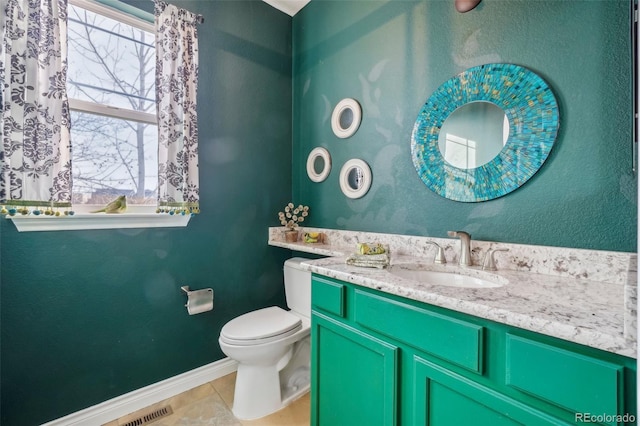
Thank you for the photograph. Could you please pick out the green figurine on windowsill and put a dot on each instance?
(119, 205)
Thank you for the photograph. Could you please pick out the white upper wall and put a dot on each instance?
(290, 7)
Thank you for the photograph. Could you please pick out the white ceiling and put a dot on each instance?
(290, 7)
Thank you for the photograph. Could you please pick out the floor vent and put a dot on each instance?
(151, 417)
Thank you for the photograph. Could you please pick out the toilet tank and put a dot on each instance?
(297, 286)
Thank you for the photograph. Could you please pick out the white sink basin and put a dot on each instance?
(449, 279)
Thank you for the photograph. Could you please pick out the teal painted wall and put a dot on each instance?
(90, 315)
(391, 55)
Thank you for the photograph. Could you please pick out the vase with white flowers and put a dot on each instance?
(290, 218)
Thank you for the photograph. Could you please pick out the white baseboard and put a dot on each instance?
(140, 398)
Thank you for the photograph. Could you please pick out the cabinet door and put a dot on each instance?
(575, 382)
(353, 376)
(444, 398)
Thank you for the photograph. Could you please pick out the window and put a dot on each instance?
(114, 134)
(110, 84)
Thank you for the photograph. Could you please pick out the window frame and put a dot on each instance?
(136, 216)
(106, 110)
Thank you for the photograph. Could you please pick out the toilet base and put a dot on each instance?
(295, 378)
(263, 385)
(263, 390)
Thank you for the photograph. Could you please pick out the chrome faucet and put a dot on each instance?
(439, 258)
(465, 246)
(489, 263)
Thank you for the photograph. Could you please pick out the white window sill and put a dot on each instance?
(83, 221)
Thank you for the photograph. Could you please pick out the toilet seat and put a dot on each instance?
(261, 326)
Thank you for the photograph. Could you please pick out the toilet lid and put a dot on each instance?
(261, 324)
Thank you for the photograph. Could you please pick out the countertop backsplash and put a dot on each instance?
(595, 265)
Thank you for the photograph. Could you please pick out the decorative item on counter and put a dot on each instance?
(379, 261)
(370, 255)
(290, 218)
(371, 248)
(119, 205)
(313, 237)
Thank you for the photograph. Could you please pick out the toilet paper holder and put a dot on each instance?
(198, 301)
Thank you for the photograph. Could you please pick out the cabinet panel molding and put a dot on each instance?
(328, 296)
(353, 376)
(568, 379)
(455, 341)
(445, 398)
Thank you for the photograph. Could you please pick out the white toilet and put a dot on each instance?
(272, 347)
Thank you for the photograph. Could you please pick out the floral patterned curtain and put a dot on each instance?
(176, 88)
(35, 155)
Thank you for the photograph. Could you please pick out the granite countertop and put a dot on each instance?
(589, 312)
(586, 312)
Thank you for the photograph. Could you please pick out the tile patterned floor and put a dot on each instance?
(210, 404)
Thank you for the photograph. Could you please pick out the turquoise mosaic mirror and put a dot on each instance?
(484, 132)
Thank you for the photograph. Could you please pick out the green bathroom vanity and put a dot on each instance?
(382, 359)
(551, 340)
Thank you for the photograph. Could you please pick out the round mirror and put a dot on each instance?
(530, 124)
(346, 118)
(355, 178)
(318, 164)
(473, 134)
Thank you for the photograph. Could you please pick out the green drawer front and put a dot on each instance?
(328, 296)
(458, 342)
(568, 379)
